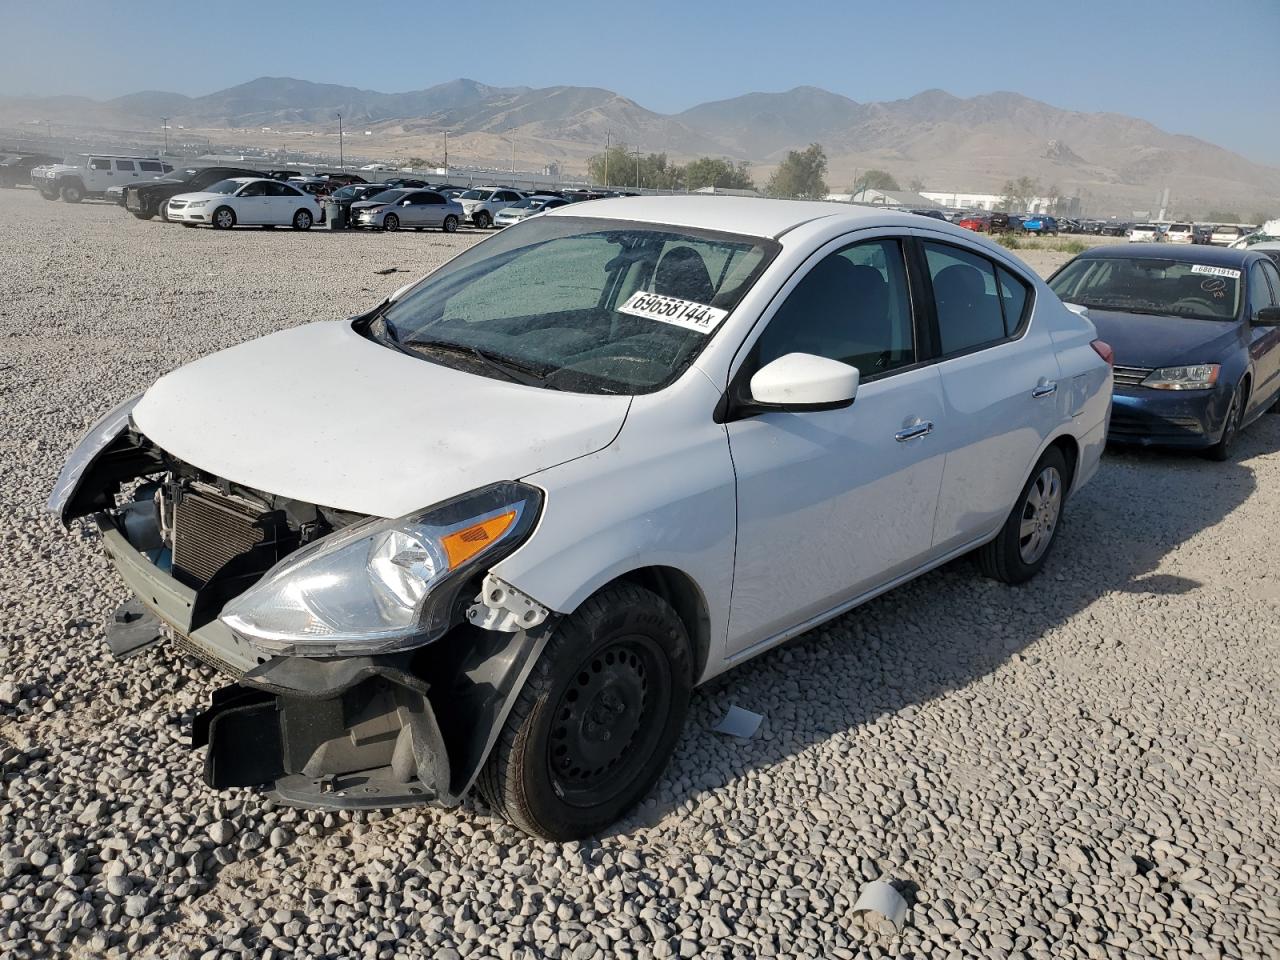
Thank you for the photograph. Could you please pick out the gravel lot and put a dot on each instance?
(1086, 766)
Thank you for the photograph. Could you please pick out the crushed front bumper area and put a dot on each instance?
(351, 732)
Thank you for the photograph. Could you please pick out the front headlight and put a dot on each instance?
(382, 585)
(1197, 376)
(198, 203)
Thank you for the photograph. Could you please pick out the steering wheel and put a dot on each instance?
(1195, 302)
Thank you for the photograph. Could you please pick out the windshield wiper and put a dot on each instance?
(513, 370)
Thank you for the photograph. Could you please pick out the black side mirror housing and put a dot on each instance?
(1267, 317)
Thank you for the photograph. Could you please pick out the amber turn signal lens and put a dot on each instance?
(461, 545)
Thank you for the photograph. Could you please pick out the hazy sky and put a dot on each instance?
(1203, 68)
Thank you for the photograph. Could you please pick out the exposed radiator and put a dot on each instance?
(208, 531)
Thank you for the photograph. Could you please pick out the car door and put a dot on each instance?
(432, 209)
(835, 503)
(126, 171)
(1000, 378)
(1264, 341)
(285, 200)
(98, 174)
(417, 213)
(250, 203)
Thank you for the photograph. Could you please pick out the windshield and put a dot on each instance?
(476, 195)
(346, 193)
(1233, 231)
(224, 186)
(1151, 286)
(529, 203)
(570, 302)
(388, 196)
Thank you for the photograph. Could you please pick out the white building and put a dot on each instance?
(986, 201)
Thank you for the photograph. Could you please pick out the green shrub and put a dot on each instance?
(1009, 241)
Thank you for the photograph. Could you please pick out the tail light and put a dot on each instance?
(1103, 349)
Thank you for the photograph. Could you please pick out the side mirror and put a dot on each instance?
(405, 203)
(1267, 317)
(802, 381)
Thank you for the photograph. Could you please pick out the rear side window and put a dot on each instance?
(964, 289)
(432, 198)
(124, 165)
(1014, 295)
(149, 166)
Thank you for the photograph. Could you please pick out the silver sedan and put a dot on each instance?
(405, 207)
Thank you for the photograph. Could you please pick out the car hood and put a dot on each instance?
(321, 414)
(1143, 340)
(201, 195)
(357, 205)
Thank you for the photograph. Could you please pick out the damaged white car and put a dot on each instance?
(495, 530)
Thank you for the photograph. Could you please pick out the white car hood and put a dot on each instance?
(319, 413)
(202, 195)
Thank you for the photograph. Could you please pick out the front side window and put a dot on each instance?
(1260, 294)
(853, 306)
(98, 163)
(564, 300)
(964, 291)
(125, 166)
(1152, 286)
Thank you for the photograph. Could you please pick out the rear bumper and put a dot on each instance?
(1168, 418)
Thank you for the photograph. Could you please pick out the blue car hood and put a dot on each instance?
(1143, 340)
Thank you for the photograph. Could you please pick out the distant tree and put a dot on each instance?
(874, 180)
(717, 172)
(419, 163)
(1016, 195)
(1224, 216)
(622, 167)
(802, 174)
(916, 184)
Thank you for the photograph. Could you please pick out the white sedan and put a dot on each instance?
(493, 531)
(246, 201)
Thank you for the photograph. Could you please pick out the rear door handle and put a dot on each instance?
(915, 430)
(1046, 388)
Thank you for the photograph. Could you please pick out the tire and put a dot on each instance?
(302, 220)
(72, 193)
(1024, 542)
(1221, 451)
(483, 220)
(617, 667)
(450, 224)
(162, 211)
(417, 229)
(391, 222)
(48, 196)
(141, 214)
(224, 218)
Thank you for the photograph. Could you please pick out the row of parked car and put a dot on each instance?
(228, 196)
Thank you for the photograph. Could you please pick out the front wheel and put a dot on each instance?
(72, 193)
(1022, 545)
(302, 220)
(593, 727)
(450, 224)
(224, 218)
(391, 222)
(483, 220)
(1221, 450)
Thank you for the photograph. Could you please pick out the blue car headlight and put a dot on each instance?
(1196, 376)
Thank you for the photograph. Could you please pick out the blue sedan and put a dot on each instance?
(1196, 336)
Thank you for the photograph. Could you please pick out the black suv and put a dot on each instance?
(147, 199)
(17, 169)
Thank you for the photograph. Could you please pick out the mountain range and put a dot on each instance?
(949, 143)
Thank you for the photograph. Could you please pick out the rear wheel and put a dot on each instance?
(224, 218)
(390, 222)
(302, 220)
(1022, 545)
(598, 718)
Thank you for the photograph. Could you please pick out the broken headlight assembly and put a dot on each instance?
(383, 585)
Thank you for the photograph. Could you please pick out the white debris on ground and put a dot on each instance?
(739, 723)
(1083, 767)
(883, 905)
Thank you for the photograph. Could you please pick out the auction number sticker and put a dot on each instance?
(681, 313)
(1216, 271)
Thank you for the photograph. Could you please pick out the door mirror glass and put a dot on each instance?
(802, 381)
(1267, 317)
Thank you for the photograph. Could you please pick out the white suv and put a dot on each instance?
(493, 531)
(93, 175)
(1180, 233)
(482, 203)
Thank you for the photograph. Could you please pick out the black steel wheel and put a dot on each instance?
(598, 718)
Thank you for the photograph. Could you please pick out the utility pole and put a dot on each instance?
(608, 145)
(342, 161)
(513, 154)
(637, 168)
(164, 124)
(446, 153)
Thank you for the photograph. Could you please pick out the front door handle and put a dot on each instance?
(1045, 388)
(918, 429)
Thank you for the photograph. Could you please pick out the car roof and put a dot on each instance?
(1209, 256)
(748, 216)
